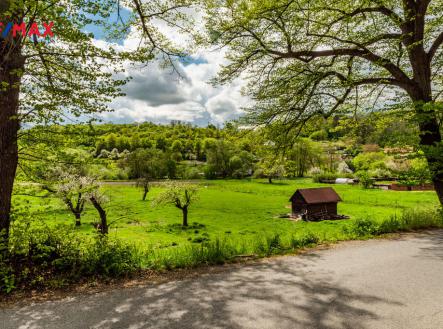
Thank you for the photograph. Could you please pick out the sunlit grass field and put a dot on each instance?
(238, 209)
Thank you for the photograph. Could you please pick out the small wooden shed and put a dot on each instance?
(315, 203)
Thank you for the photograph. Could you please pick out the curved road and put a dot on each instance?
(374, 284)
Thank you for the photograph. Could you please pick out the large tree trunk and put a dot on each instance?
(421, 94)
(11, 63)
(430, 139)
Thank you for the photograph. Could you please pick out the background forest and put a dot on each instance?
(379, 145)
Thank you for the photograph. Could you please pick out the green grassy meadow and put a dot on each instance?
(239, 209)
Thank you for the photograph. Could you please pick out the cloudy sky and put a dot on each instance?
(159, 95)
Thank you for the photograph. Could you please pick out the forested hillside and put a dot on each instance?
(376, 144)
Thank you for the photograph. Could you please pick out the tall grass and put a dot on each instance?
(225, 250)
(409, 221)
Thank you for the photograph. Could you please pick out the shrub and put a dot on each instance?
(110, 258)
(381, 173)
(38, 256)
(319, 135)
(418, 173)
(324, 176)
(371, 160)
(191, 173)
(343, 168)
(390, 225)
(305, 240)
(362, 227)
(364, 179)
(273, 244)
(408, 221)
(309, 238)
(214, 252)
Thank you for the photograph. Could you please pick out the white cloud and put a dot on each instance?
(156, 94)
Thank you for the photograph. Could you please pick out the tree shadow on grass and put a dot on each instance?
(276, 294)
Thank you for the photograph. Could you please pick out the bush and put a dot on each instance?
(371, 160)
(408, 221)
(418, 173)
(364, 179)
(381, 173)
(362, 227)
(38, 256)
(110, 258)
(191, 173)
(267, 245)
(319, 135)
(209, 253)
(326, 176)
(414, 219)
(307, 239)
(273, 244)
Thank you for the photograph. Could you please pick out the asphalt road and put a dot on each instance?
(373, 284)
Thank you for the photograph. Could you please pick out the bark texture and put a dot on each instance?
(185, 216)
(11, 66)
(104, 229)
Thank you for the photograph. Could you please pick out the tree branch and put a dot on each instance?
(437, 43)
(380, 9)
(309, 55)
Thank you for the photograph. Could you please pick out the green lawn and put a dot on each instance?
(240, 209)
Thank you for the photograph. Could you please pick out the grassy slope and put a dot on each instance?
(239, 209)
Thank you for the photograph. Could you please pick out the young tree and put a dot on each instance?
(181, 195)
(97, 199)
(74, 191)
(146, 165)
(308, 59)
(272, 167)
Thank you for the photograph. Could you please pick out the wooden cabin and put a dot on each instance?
(315, 203)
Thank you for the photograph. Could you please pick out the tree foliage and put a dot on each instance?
(307, 59)
(181, 195)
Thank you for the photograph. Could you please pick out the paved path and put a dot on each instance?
(373, 284)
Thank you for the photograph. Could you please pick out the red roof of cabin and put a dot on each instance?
(317, 195)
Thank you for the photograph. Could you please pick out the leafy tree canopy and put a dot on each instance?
(307, 59)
